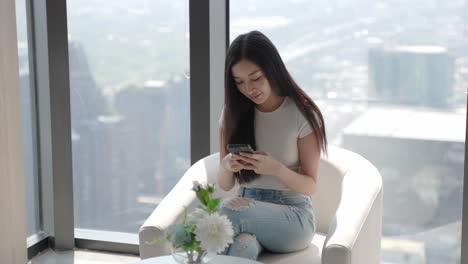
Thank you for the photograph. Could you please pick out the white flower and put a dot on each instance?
(195, 216)
(214, 232)
(196, 186)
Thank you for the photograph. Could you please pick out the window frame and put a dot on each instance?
(49, 71)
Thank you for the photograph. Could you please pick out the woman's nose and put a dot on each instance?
(249, 87)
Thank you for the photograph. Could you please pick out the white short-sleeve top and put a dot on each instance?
(277, 133)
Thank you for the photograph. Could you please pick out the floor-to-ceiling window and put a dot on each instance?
(130, 108)
(28, 123)
(390, 78)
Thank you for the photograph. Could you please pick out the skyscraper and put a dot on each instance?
(412, 75)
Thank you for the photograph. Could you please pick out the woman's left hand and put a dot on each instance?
(261, 162)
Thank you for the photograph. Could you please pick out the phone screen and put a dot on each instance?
(236, 148)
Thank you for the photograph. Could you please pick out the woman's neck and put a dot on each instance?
(271, 104)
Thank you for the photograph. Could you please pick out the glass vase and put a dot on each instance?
(191, 257)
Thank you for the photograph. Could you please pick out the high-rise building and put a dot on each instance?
(413, 75)
(105, 185)
(124, 163)
(420, 155)
(86, 99)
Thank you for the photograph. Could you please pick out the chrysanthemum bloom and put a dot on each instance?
(196, 216)
(214, 232)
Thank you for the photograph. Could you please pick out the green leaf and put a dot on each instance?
(203, 196)
(213, 204)
(193, 246)
(191, 229)
(206, 197)
(210, 188)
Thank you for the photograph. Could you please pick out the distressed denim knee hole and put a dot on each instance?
(245, 239)
(238, 203)
(246, 246)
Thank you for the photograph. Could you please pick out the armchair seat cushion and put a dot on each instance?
(310, 255)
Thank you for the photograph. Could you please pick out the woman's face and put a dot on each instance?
(251, 81)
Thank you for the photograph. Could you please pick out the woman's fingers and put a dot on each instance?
(243, 161)
(261, 152)
(246, 158)
(249, 167)
(238, 165)
(241, 165)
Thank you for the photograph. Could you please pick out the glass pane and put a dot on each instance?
(389, 77)
(129, 63)
(27, 121)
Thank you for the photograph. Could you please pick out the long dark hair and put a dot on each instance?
(238, 119)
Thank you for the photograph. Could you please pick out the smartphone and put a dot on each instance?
(236, 148)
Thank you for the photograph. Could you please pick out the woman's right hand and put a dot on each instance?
(232, 163)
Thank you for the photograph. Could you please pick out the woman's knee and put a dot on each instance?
(245, 245)
(237, 207)
(237, 210)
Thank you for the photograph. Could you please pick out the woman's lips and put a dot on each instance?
(255, 97)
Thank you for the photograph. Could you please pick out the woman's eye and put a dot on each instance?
(257, 78)
(239, 83)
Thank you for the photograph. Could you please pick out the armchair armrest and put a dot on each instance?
(169, 211)
(351, 236)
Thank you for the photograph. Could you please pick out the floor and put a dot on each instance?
(80, 256)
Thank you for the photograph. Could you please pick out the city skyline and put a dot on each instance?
(130, 101)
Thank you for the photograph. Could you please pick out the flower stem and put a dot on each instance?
(190, 257)
(201, 254)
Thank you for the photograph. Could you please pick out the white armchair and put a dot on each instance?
(348, 206)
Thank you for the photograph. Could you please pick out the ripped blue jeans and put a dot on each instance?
(277, 221)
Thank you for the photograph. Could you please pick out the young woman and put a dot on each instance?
(265, 108)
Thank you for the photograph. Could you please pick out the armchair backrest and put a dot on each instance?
(329, 186)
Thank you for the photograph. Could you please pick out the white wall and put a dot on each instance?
(12, 193)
